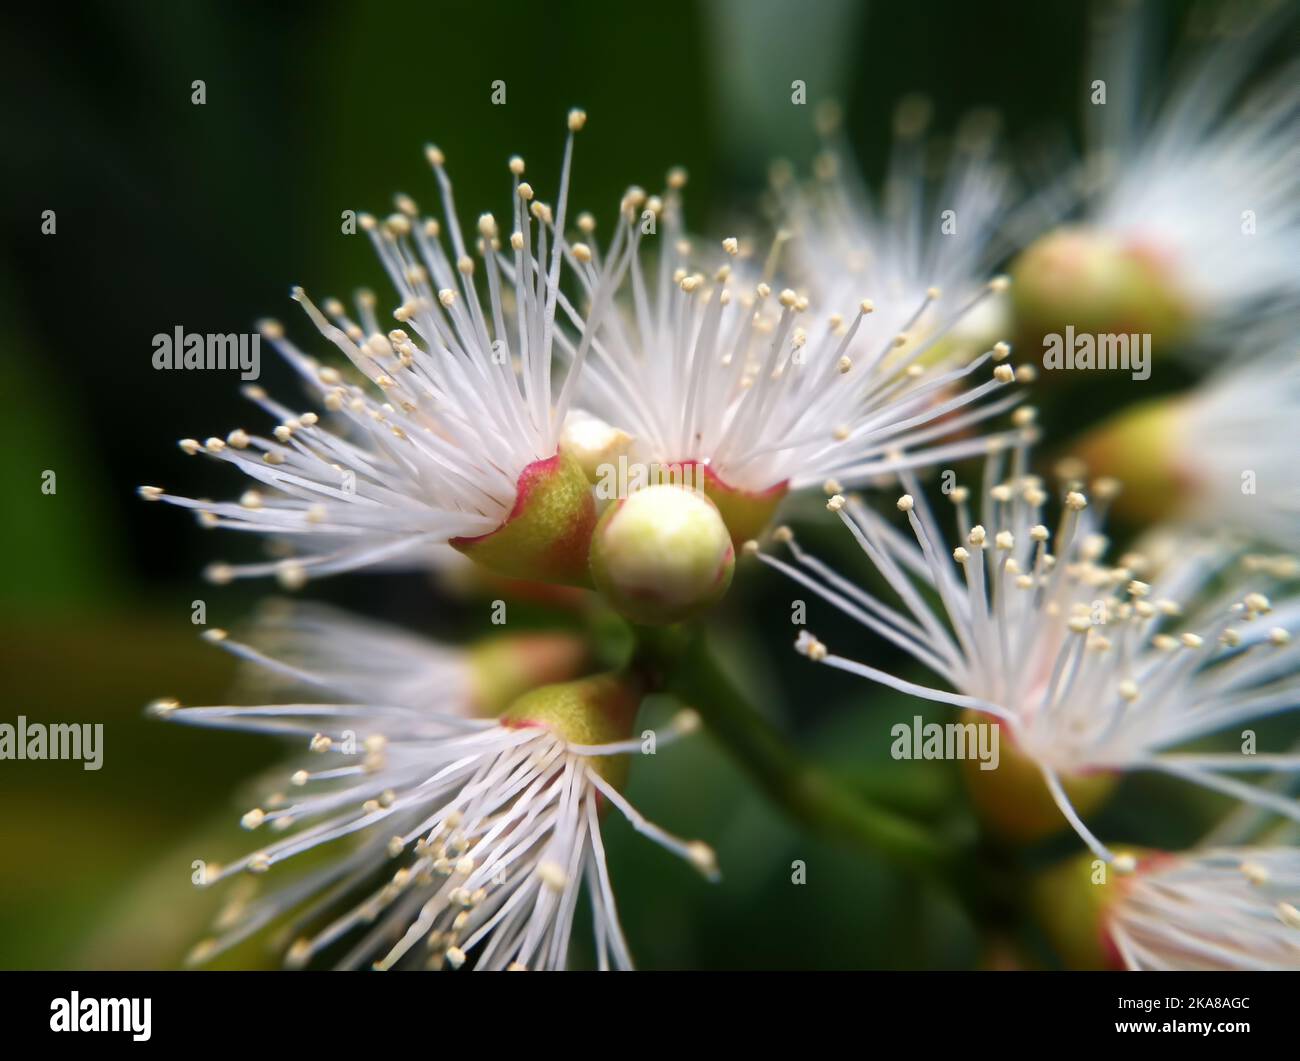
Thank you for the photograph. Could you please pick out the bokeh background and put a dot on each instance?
(203, 216)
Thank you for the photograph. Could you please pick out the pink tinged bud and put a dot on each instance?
(1013, 801)
(1096, 282)
(547, 534)
(662, 555)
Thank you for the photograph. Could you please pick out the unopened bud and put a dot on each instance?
(594, 444)
(1099, 284)
(662, 554)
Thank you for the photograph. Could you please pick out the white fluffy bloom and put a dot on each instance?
(1220, 909)
(1089, 668)
(699, 366)
(1201, 181)
(307, 646)
(438, 836)
(917, 236)
(1234, 439)
(454, 406)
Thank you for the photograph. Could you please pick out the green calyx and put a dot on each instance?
(1013, 801)
(1071, 899)
(596, 710)
(547, 534)
(746, 513)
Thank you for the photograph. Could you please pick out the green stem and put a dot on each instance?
(691, 672)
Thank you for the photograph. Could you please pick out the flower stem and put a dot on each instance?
(691, 672)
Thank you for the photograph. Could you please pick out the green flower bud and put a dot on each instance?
(548, 533)
(662, 554)
(1098, 284)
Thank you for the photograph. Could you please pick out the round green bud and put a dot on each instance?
(1097, 283)
(662, 554)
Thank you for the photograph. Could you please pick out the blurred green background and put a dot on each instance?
(203, 216)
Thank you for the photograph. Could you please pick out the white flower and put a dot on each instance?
(1089, 668)
(308, 646)
(1235, 446)
(700, 369)
(916, 236)
(1219, 456)
(1221, 909)
(1200, 185)
(458, 402)
(438, 836)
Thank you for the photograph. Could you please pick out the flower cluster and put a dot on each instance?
(1090, 669)
(628, 415)
(455, 831)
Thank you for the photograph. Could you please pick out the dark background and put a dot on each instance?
(204, 216)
